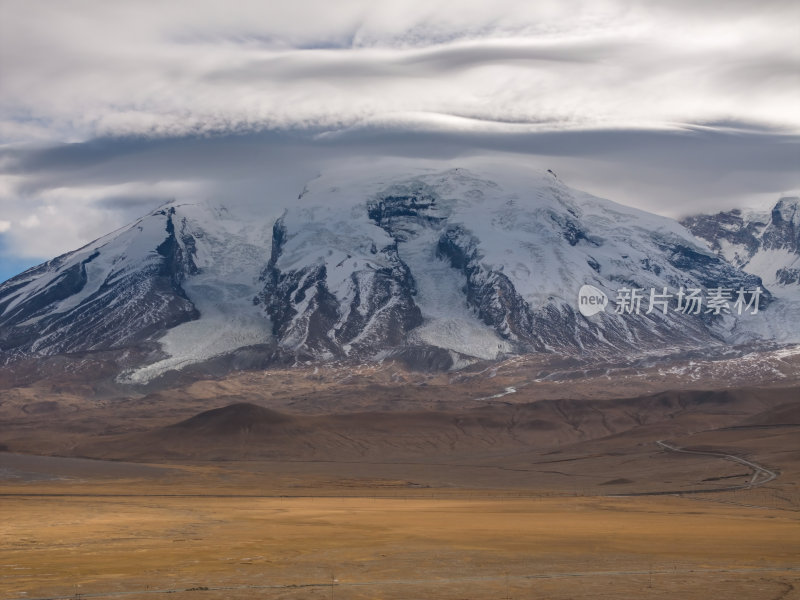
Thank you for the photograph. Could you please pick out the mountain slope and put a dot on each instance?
(492, 264)
(766, 244)
(437, 268)
(118, 291)
(229, 253)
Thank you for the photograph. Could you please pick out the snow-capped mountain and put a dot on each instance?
(477, 266)
(183, 275)
(122, 289)
(766, 244)
(440, 268)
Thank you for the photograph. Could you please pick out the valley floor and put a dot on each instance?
(307, 485)
(93, 529)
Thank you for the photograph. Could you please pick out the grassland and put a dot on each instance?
(181, 533)
(226, 490)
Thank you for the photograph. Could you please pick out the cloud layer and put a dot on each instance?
(107, 108)
(110, 68)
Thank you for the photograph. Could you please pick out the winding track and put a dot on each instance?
(761, 475)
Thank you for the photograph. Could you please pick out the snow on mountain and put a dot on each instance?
(122, 289)
(438, 267)
(766, 244)
(488, 263)
(229, 255)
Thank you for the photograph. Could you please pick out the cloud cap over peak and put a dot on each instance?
(109, 108)
(79, 69)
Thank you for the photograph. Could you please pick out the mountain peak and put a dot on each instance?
(766, 244)
(787, 211)
(446, 266)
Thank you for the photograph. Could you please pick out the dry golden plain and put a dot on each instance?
(367, 489)
(134, 541)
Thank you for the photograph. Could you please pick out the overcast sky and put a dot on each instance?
(108, 109)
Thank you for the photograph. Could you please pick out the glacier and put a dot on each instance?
(439, 266)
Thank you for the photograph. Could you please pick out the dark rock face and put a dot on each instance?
(570, 228)
(788, 276)
(711, 271)
(491, 294)
(783, 231)
(178, 256)
(751, 234)
(777, 230)
(129, 306)
(402, 211)
(727, 226)
(285, 291)
(307, 317)
(390, 292)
